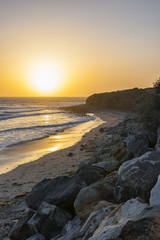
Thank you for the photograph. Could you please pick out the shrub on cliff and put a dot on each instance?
(156, 86)
(149, 112)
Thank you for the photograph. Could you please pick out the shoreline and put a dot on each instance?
(64, 161)
(28, 151)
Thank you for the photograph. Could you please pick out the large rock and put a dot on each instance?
(37, 236)
(152, 138)
(155, 194)
(90, 174)
(49, 220)
(21, 229)
(137, 177)
(120, 153)
(62, 191)
(112, 226)
(107, 166)
(88, 198)
(71, 230)
(157, 147)
(135, 143)
(144, 227)
(93, 222)
(158, 140)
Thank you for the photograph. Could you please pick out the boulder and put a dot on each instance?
(49, 220)
(143, 150)
(90, 174)
(158, 132)
(37, 236)
(137, 177)
(157, 147)
(112, 226)
(93, 222)
(107, 166)
(155, 194)
(99, 157)
(144, 227)
(152, 138)
(21, 229)
(120, 152)
(71, 230)
(89, 198)
(62, 191)
(135, 142)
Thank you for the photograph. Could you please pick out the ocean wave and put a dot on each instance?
(47, 126)
(6, 117)
(32, 134)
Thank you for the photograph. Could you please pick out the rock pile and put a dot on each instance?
(115, 195)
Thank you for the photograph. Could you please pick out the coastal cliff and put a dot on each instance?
(115, 193)
(126, 100)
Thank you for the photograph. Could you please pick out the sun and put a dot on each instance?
(45, 77)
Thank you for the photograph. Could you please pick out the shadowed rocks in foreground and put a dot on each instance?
(63, 190)
(85, 206)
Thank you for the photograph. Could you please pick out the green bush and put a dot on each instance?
(156, 86)
(149, 112)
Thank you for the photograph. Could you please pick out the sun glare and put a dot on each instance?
(45, 77)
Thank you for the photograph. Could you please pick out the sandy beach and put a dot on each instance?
(15, 184)
(65, 161)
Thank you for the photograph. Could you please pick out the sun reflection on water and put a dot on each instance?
(46, 118)
(56, 137)
(53, 149)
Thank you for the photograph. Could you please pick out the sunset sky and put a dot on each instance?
(84, 46)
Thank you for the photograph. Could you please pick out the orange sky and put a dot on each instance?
(98, 45)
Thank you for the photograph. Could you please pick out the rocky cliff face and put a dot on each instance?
(128, 100)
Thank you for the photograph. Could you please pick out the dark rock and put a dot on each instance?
(81, 166)
(143, 150)
(71, 230)
(120, 152)
(60, 191)
(145, 227)
(63, 190)
(137, 177)
(155, 194)
(133, 220)
(107, 166)
(157, 147)
(136, 142)
(112, 226)
(82, 147)
(152, 138)
(105, 150)
(158, 132)
(101, 130)
(88, 199)
(90, 174)
(21, 229)
(99, 157)
(49, 220)
(37, 236)
(70, 154)
(93, 222)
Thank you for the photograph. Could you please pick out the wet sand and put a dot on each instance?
(65, 161)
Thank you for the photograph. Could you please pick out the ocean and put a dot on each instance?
(26, 122)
